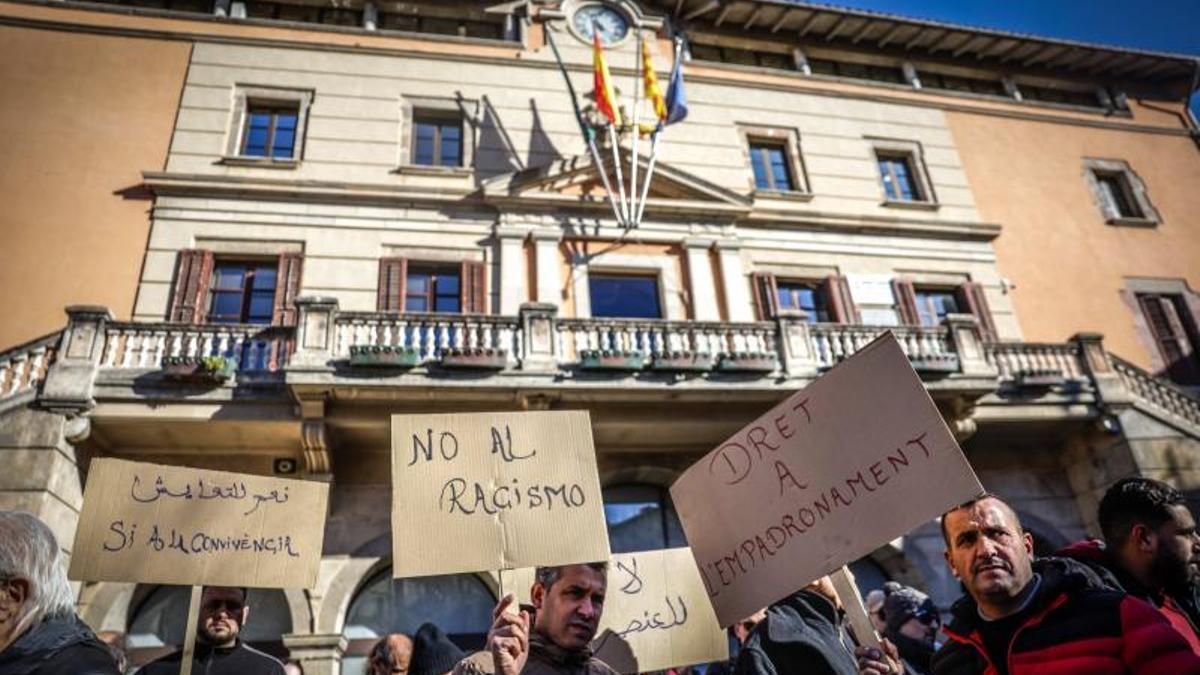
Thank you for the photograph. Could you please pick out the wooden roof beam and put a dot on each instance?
(808, 23)
(1004, 54)
(837, 29)
(702, 10)
(783, 18)
(753, 17)
(939, 32)
(1042, 54)
(946, 42)
(890, 35)
(867, 26)
(724, 13)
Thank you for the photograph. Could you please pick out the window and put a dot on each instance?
(824, 300)
(899, 183)
(242, 292)
(641, 517)
(437, 140)
(267, 127)
(421, 286)
(808, 297)
(743, 57)
(1087, 99)
(928, 305)
(235, 289)
(270, 131)
(624, 296)
(770, 164)
(933, 304)
(968, 84)
(1174, 331)
(491, 30)
(1119, 193)
(857, 71)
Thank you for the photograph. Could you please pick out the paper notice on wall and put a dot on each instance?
(177, 525)
(656, 612)
(479, 492)
(854, 460)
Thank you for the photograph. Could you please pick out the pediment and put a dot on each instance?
(577, 179)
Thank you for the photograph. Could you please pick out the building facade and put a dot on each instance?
(382, 208)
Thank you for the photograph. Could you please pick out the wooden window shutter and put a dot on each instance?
(287, 287)
(766, 295)
(1166, 326)
(972, 293)
(906, 302)
(473, 287)
(841, 302)
(193, 273)
(393, 276)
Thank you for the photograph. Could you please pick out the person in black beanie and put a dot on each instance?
(433, 653)
(912, 625)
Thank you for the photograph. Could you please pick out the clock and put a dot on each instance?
(607, 21)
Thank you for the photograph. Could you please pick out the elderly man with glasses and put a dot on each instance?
(39, 632)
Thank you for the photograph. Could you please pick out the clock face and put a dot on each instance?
(608, 22)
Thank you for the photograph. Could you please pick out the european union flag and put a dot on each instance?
(677, 108)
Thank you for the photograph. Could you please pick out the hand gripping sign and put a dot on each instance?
(480, 492)
(854, 460)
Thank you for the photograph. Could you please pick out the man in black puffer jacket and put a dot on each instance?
(39, 632)
(802, 634)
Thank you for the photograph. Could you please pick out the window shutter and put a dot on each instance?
(841, 303)
(393, 273)
(906, 302)
(766, 295)
(976, 301)
(193, 273)
(473, 288)
(287, 287)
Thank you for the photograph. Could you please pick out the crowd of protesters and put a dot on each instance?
(1124, 604)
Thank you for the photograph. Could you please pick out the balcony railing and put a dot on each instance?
(1020, 361)
(1157, 392)
(428, 335)
(23, 367)
(146, 345)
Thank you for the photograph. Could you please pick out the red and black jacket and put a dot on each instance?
(1078, 625)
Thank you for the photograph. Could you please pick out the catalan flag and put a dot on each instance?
(606, 98)
(650, 83)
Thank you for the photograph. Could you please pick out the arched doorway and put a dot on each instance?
(460, 604)
(158, 618)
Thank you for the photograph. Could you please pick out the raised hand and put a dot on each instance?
(508, 639)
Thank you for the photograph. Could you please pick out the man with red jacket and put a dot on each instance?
(1047, 617)
(1150, 545)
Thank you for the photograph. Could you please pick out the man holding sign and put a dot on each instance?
(219, 650)
(551, 637)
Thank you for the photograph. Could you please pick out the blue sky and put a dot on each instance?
(1160, 25)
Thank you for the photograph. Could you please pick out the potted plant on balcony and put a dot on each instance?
(213, 369)
(684, 361)
(611, 359)
(747, 362)
(384, 356)
(488, 358)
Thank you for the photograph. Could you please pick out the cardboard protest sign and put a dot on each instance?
(177, 525)
(491, 491)
(656, 612)
(856, 459)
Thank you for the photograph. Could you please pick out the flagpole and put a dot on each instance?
(613, 139)
(588, 133)
(654, 148)
(637, 132)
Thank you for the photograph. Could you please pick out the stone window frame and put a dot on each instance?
(915, 154)
(468, 110)
(1135, 192)
(665, 268)
(790, 137)
(1135, 286)
(243, 95)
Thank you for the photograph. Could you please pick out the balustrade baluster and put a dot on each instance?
(111, 337)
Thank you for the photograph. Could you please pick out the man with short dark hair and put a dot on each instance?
(803, 634)
(1150, 545)
(219, 648)
(551, 636)
(1031, 617)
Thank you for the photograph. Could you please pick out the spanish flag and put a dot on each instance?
(606, 98)
(650, 83)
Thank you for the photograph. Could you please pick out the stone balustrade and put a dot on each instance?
(145, 345)
(430, 335)
(654, 338)
(834, 342)
(1023, 360)
(24, 366)
(1157, 392)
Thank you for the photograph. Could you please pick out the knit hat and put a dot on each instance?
(433, 653)
(903, 604)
